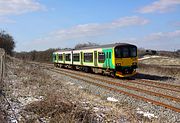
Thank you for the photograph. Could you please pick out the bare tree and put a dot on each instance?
(40, 56)
(7, 42)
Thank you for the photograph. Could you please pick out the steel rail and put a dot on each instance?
(145, 82)
(124, 92)
(158, 83)
(166, 88)
(129, 87)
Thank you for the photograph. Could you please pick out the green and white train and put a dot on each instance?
(118, 59)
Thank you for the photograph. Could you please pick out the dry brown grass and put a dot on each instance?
(156, 69)
(59, 109)
(60, 102)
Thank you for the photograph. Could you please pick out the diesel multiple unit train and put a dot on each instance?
(118, 59)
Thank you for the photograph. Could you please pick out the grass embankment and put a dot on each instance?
(37, 95)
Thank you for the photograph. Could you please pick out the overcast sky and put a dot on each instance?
(43, 24)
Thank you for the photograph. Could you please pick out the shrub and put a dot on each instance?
(7, 42)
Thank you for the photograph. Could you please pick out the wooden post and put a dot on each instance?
(1, 69)
(2, 65)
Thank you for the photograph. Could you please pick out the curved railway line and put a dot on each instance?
(150, 83)
(159, 85)
(175, 88)
(127, 86)
(156, 84)
(80, 76)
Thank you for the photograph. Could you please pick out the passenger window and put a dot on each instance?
(54, 56)
(60, 57)
(88, 57)
(76, 57)
(68, 57)
(101, 57)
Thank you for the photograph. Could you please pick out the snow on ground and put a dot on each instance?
(111, 99)
(160, 60)
(29, 99)
(146, 114)
(148, 57)
(70, 83)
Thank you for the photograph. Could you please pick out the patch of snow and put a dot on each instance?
(27, 100)
(112, 99)
(155, 56)
(41, 97)
(148, 57)
(14, 121)
(80, 87)
(146, 114)
(70, 83)
(143, 58)
(96, 109)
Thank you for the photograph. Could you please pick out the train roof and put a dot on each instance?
(105, 46)
(99, 46)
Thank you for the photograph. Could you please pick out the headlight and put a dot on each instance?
(134, 63)
(118, 64)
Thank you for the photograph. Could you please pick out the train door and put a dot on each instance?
(107, 59)
(95, 58)
(81, 58)
(72, 57)
(57, 55)
(54, 58)
(64, 58)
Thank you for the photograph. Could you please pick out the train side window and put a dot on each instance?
(88, 57)
(60, 57)
(54, 56)
(76, 57)
(109, 55)
(68, 57)
(101, 57)
(133, 51)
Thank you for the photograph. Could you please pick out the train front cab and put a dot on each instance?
(125, 60)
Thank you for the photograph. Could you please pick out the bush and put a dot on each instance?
(7, 42)
(39, 56)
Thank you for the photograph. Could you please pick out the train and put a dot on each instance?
(117, 60)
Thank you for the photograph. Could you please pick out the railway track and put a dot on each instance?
(160, 85)
(127, 86)
(145, 82)
(84, 78)
(150, 83)
(164, 86)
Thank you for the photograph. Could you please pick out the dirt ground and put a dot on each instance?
(37, 96)
(161, 66)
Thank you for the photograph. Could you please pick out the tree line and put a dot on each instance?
(8, 44)
(46, 56)
(39, 56)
